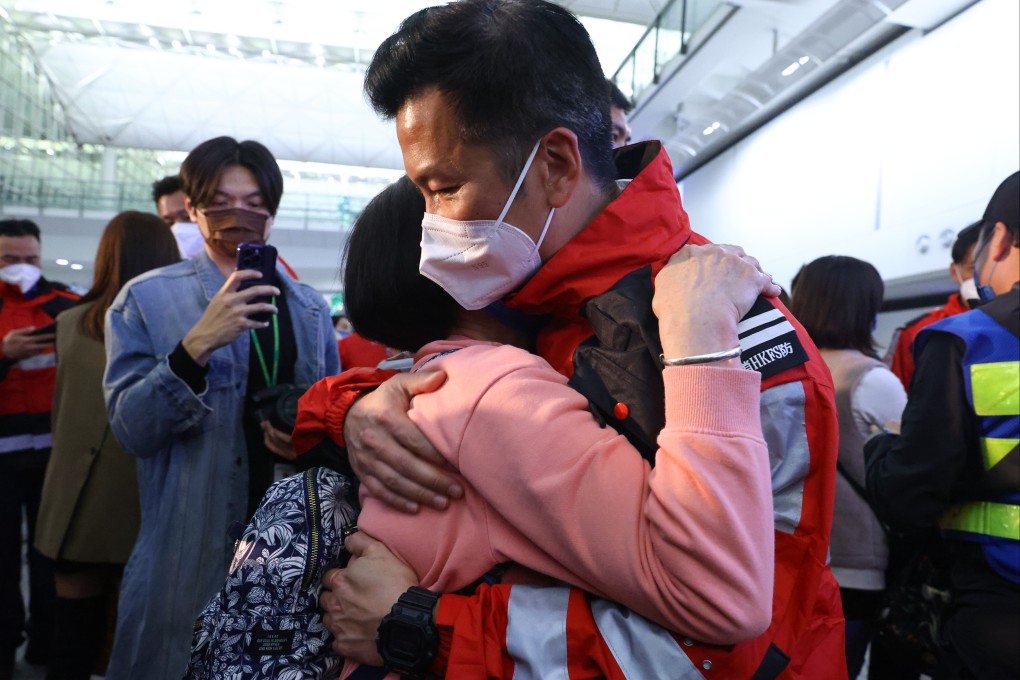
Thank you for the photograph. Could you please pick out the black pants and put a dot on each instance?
(983, 624)
(21, 480)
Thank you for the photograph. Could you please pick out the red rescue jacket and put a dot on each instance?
(903, 343)
(26, 386)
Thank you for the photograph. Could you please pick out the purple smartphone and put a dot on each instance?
(263, 258)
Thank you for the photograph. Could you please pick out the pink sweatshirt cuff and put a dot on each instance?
(713, 399)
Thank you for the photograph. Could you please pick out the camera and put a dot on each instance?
(278, 404)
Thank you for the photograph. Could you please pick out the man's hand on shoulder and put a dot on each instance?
(388, 452)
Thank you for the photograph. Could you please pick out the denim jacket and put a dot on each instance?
(192, 458)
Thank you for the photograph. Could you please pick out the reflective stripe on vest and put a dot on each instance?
(988, 519)
(641, 648)
(993, 450)
(996, 388)
(25, 442)
(995, 391)
(536, 632)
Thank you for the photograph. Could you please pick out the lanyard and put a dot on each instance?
(270, 380)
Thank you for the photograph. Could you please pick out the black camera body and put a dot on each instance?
(278, 405)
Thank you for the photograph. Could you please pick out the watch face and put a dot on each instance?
(405, 642)
(408, 638)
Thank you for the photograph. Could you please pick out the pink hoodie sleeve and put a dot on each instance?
(688, 544)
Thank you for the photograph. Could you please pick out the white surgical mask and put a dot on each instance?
(969, 290)
(23, 275)
(479, 261)
(189, 239)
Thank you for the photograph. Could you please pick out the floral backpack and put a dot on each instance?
(266, 622)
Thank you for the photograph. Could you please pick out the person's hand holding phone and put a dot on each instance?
(229, 314)
(24, 343)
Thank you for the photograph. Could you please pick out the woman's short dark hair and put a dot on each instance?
(837, 298)
(512, 70)
(201, 170)
(132, 244)
(386, 298)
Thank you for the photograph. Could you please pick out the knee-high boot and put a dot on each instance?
(78, 629)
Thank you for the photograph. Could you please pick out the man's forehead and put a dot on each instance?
(20, 244)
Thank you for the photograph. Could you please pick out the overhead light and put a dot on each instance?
(316, 49)
(154, 42)
(176, 44)
(716, 125)
(145, 30)
(210, 48)
(50, 152)
(62, 262)
(266, 53)
(77, 267)
(707, 131)
(792, 68)
(233, 41)
(320, 60)
(4, 14)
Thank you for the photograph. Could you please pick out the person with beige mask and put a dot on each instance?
(189, 350)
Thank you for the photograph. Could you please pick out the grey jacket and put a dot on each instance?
(192, 458)
(857, 545)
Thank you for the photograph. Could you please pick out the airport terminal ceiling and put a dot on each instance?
(140, 74)
(152, 80)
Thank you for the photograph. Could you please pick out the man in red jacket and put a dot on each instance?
(962, 271)
(28, 305)
(488, 94)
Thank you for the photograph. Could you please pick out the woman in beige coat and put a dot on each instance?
(89, 515)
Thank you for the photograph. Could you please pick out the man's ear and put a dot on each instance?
(955, 274)
(1002, 243)
(561, 166)
(192, 210)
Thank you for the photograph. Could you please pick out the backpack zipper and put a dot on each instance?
(312, 503)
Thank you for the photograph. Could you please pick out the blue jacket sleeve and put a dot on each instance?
(146, 403)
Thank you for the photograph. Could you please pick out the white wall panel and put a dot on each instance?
(909, 145)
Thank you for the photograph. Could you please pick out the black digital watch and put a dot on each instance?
(408, 637)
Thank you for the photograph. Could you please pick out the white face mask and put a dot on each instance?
(23, 275)
(189, 239)
(479, 261)
(969, 290)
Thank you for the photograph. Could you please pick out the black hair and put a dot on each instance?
(17, 228)
(618, 98)
(385, 296)
(837, 298)
(965, 240)
(511, 70)
(201, 170)
(170, 184)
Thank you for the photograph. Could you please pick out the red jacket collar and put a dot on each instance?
(954, 305)
(644, 225)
